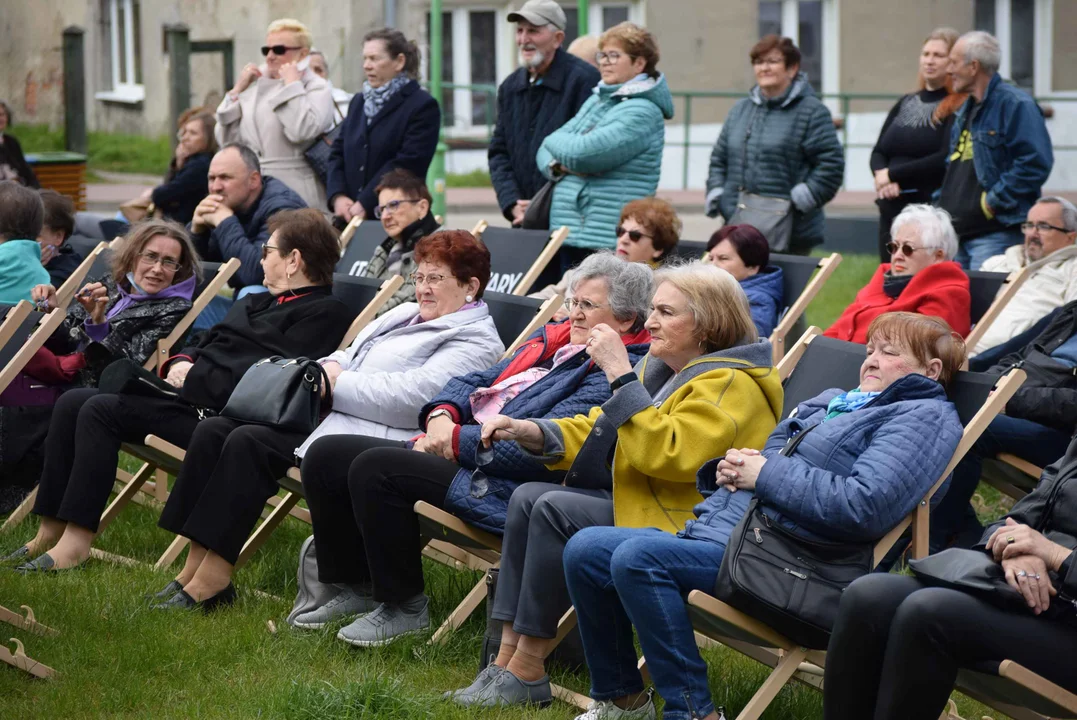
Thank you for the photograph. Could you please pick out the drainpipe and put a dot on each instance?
(582, 8)
(389, 13)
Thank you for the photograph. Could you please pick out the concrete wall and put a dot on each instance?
(1064, 71)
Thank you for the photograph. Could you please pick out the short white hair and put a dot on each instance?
(983, 47)
(1069, 211)
(936, 228)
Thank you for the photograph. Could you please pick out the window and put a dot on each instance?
(770, 18)
(614, 15)
(483, 41)
(572, 25)
(474, 42)
(121, 22)
(804, 22)
(1023, 29)
(448, 96)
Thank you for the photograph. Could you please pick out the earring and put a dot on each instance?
(468, 298)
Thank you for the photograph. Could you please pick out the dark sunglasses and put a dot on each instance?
(266, 248)
(633, 235)
(906, 249)
(277, 49)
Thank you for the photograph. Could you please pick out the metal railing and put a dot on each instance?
(686, 100)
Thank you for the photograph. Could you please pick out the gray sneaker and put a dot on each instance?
(345, 604)
(384, 625)
(507, 689)
(485, 675)
(606, 710)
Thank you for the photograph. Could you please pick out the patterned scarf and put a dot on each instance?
(848, 402)
(374, 98)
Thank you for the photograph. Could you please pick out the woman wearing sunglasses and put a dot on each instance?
(921, 277)
(279, 108)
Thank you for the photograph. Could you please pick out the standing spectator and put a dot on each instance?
(278, 108)
(611, 152)
(909, 159)
(1000, 154)
(395, 124)
(778, 142)
(341, 98)
(13, 165)
(21, 214)
(1050, 253)
(532, 102)
(58, 223)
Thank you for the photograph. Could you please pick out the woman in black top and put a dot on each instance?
(909, 159)
(13, 164)
(187, 181)
(297, 317)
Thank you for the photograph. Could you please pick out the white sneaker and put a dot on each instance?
(606, 710)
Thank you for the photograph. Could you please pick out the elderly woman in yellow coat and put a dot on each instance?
(707, 385)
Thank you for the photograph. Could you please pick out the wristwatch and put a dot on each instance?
(438, 413)
(621, 381)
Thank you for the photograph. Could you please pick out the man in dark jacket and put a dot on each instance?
(532, 102)
(1038, 422)
(233, 221)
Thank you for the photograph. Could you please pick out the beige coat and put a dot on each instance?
(279, 122)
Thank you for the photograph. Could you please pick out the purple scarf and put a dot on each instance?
(184, 290)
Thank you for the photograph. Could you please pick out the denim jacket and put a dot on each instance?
(1011, 149)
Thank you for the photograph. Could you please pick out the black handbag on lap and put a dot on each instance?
(126, 377)
(280, 392)
(792, 584)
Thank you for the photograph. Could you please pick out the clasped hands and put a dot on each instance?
(1026, 556)
(211, 212)
(739, 469)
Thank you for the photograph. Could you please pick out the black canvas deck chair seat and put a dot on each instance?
(518, 257)
(358, 242)
(990, 292)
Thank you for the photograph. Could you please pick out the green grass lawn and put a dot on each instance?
(118, 659)
(113, 152)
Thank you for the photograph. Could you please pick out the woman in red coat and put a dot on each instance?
(921, 277)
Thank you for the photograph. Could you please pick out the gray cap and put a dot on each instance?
(540, 12)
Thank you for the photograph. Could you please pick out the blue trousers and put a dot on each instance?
(972, 253)
(219, 306)
(620, 577)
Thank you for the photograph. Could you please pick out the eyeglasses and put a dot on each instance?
(149, 259)
(277, 49)
(633, 235)
(431, 281)
(585, 306)
(906, 249)
(1042, 227)
(390, 207)
(773, 62)
(266, 248)
(610, 57)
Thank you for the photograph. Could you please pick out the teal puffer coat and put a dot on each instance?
(791, 141)
(613, 148)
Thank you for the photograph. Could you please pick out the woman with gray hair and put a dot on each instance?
(550, 376)
(921, 277)
(706, 386)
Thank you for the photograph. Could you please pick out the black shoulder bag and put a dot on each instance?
(283, 393)
(317, 153)
(792, 584)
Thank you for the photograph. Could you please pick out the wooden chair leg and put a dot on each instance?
(460, 614)
(174, 550)
(20, 512)
(766, 693)
(572, 698)
(125, 496)
(161, 486)
(255, 541)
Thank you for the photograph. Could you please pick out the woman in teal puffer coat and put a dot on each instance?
(611, 152)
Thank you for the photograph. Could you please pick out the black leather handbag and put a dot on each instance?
(792, 584)
(537, 215)
(317, 153)
(280, 392)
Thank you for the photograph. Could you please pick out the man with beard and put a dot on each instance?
(538, 98)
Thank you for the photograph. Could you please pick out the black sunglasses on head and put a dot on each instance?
(633, 235)
(277, 49)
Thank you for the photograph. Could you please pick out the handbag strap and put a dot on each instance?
(323, 378)
(792, 443)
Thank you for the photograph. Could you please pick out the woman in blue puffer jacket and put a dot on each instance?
(866, 459)
(744, 253)
(611, 152)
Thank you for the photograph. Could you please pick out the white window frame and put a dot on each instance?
(124, 89)
(831, 60)
(1043, 42)
(461, 61)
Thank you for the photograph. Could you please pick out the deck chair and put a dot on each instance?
(358, 242)
(1010, 475)
(518, 257)
(66, 292)
(976, 405)
(800, 284)
(362, 294)
(1017, 691)
(22, 334)
(990, 293)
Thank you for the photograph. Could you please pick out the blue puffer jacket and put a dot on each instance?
(614, 145)
(852, 478)
(481, 497)
(765, 293)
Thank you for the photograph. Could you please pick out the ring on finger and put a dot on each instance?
(1022, 573)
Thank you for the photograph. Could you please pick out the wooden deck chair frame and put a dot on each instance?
(348, 233)
(556, 240)
(281, 507)
(66, 292)
(827, 266)
(1003, 484)
(1009, 288)
(47, 325)
(14, 318)
(17, 658)
(1034, 687)
(722, 623)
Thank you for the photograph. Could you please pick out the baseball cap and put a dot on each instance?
(540, 12)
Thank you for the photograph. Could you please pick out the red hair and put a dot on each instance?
(458, 250)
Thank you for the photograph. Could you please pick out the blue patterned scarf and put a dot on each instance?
(848, 402)
(374, 98)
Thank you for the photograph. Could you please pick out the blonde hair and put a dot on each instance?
(716, 301)
(302, 32)
(636, 41)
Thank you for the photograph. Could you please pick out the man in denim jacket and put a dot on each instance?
(1000, 154)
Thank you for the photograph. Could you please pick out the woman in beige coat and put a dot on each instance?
(279, 108)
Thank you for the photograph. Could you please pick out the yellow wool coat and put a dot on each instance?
(728, 399)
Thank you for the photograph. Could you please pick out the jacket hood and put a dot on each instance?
(769, 280)
(654, 373)
(799, 88)
(654, 89)
(18, 251)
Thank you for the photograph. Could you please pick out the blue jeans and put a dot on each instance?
(989, 357)
(972, 253)
(953, 520)
(620, 577)
(219, 306)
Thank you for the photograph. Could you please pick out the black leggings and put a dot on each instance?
(361, 492)
(898, 644)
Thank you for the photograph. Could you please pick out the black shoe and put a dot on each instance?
(42, 563)
(169, 590)
(182, 601)
(20, 556)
